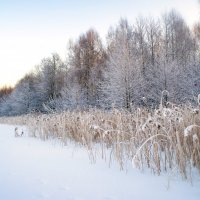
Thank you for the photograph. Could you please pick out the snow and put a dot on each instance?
(31, 169)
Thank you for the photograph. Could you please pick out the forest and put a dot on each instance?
(135, 65)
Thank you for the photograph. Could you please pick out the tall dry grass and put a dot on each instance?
(164, 140)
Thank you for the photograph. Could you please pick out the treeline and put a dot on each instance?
(135, 65)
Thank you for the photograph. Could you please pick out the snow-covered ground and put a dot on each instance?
(34, 169)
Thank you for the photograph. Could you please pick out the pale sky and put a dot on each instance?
(32, 30)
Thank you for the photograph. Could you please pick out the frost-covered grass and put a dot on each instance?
(32, 169)
(163, 140)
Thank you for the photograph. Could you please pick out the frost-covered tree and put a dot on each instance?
(4, 99)
(122, 73)
(178, 42)
(139, 62)
(86, 60)
(50, 78)
(177, 58)
(22, 100)
(140, 43)
(72, 94)
(154, 37)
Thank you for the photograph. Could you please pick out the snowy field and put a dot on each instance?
(34, 169)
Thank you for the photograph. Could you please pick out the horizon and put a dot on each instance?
(32, 31)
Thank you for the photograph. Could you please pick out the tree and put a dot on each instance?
(50, 78)
(86, 60)
(5, 93)
(121, 74)
(178, 42)
(175, 58)
(140, 43)
(153, 34)
(22, 99)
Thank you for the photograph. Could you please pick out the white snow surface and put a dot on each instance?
(31, 169)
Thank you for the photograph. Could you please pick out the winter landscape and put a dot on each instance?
(114, 116)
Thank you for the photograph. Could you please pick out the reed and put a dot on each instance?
(163, 140)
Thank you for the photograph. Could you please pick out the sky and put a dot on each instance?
(31, 30)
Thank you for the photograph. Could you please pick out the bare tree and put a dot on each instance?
(140, 42)
(87, 58)
(121, 72)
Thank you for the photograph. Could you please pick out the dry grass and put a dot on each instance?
(163, 140)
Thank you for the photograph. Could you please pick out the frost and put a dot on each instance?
(188, 130)
(94, 127)
(195, 137)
